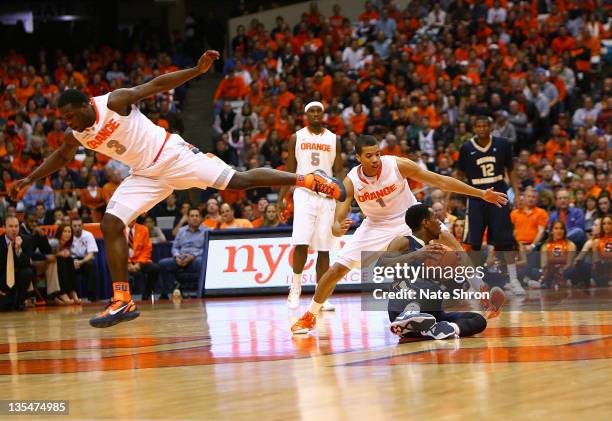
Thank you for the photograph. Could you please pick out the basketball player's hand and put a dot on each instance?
(16, 187)
(282, 205)
(340, 229)
(497, 198)
(207, 60)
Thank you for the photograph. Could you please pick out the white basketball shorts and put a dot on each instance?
(313, 217)
(371, 236)
(180, 166)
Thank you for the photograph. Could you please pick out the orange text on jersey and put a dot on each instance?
(378, 194)
(104, 133)
(306, 146)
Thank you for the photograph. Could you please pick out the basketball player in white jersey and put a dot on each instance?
(313, 148)
(380, 188)
(160, 162)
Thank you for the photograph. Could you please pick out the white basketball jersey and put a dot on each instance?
(133, 139)
(315, 151)
(384, 197)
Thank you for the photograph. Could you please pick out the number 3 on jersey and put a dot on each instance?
(118, 147)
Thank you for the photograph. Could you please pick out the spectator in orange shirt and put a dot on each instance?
(56, 136)
(109, 188)
(140, 249)
(91, 198)
(323, 84)
(212, 218)
(334, 122)
(359, 119)
(558, 143)
(231, 88)
(229, 221)
(529, 221)
(563, 42)
(284, 96)
(391, 147)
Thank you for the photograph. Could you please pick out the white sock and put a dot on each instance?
(315, 307)
(512, 272)
(297, 279)
(456, 327)
(476, 282)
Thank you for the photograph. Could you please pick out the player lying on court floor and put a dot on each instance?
(380, 188)
(160, 162)
(424, 316)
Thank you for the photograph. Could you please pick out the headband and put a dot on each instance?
(313, 104)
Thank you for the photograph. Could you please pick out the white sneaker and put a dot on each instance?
(516, 287)
(534, 284)
(327, 306)
(293, 300)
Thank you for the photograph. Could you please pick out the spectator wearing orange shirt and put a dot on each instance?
(563, 42)
(391, 147)
(558, 143)
(334, 122)
(91, 198)
(109, 188)
(529, 221)
(232, 88)
(140, 248)
(229, 221)
(212, 217)
(358, 119)
(56, 136)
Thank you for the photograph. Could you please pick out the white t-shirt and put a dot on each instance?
(86, 243)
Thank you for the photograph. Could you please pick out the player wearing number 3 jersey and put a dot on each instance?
(379, 187)
(160, 163)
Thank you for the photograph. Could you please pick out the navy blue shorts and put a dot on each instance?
(481, 215)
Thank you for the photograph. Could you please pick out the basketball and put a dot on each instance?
(448, 258)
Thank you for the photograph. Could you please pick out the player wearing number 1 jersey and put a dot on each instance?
(160, 163)
(380, 188)
(313, 148)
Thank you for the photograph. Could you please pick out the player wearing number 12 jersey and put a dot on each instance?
(380, 188)
(160, 163)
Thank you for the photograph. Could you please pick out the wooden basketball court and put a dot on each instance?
(228, 359)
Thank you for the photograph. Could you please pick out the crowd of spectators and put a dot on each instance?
(415, 78)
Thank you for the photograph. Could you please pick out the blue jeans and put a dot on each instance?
(169, 268)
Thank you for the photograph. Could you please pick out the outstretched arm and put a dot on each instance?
(291, 167)
(58, 159)
(410, 169)
(120, 100)
(341, 222)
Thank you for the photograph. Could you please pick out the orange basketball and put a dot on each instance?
(448, 258)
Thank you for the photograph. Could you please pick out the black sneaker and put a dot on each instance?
(411, 321)
(440, 330)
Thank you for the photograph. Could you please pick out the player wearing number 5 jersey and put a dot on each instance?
(313, 148)
(379, 187)
(160, 163)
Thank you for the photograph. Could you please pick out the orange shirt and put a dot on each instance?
(396, 150)
(604, 247)
(556, 251)
(232, 196)
(143, 247)
(358, 122)
(335, 125)
(553, 147)
(526, 223)
(237, 223)
(55, 139)
(210, 223)
(108, 189)
(231, 88)
(284, 99)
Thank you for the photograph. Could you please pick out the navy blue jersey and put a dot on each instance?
(486, 167)
(413, 243)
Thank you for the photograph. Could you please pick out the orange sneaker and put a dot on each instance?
(320, 182)
(497, 299)
(305, 324)
(116, 312)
